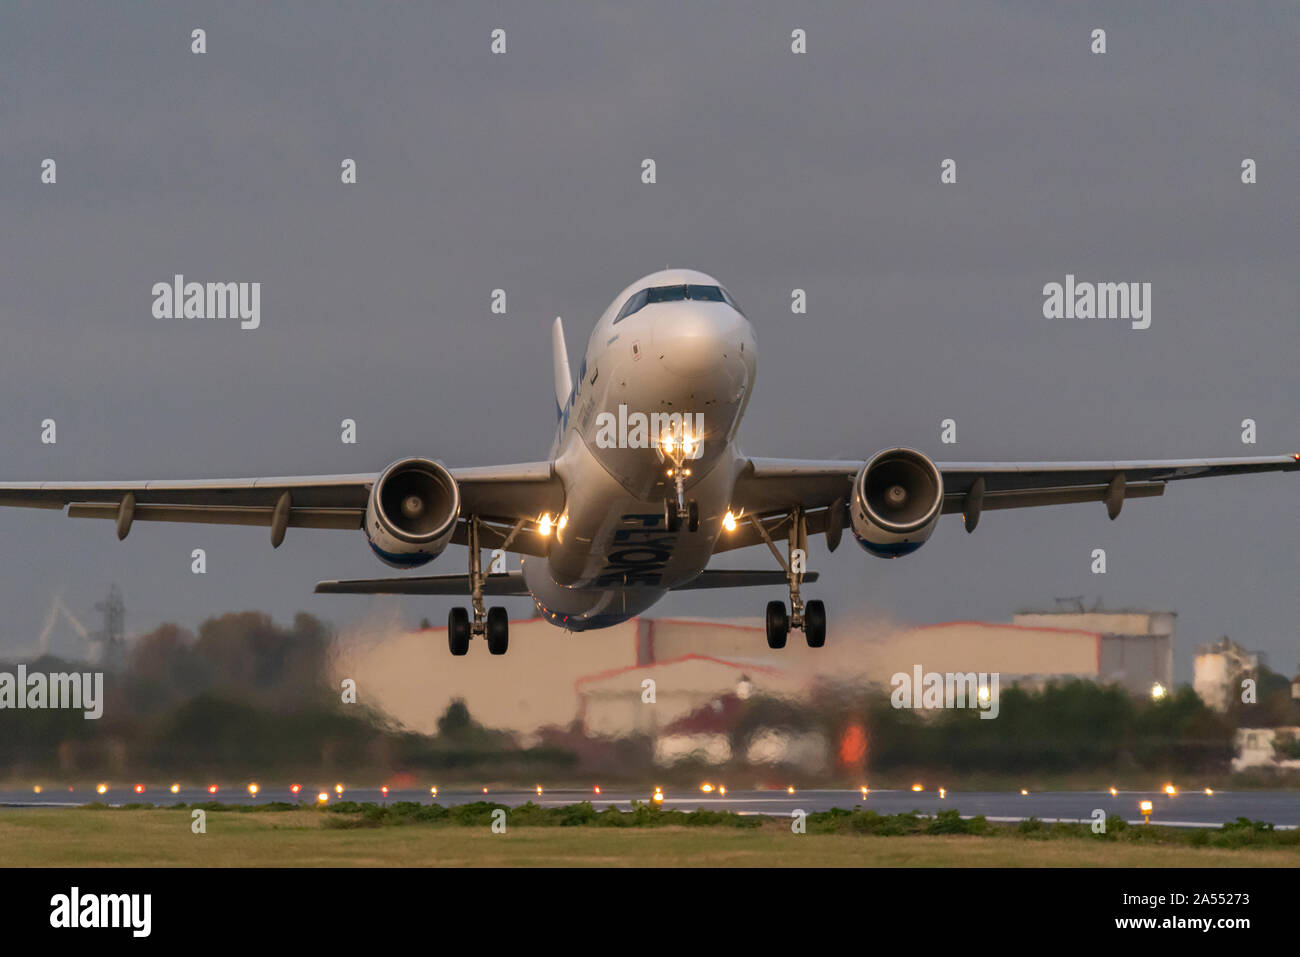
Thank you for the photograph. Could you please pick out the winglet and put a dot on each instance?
(563, 378)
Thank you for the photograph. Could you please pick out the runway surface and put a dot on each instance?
(1186, 809)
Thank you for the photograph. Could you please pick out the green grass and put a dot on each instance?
(366, 836)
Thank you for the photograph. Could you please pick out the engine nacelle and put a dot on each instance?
(412, 512)
(897, 498)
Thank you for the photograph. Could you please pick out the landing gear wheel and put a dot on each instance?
(458, 631)
(778, 624)
(814, 623)
(693, 516)
(672, 518)
(498, 630)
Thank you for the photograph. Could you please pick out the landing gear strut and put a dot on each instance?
(492, 623)
(677, 449)
(810, 618)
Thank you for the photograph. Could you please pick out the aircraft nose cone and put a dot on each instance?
(694, 342)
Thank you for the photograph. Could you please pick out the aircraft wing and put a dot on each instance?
(771, 489)
(512, 583)
(503, 495)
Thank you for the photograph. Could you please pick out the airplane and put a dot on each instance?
(645, 482)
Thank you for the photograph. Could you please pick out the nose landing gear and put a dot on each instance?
(673, 515)
(676, 448)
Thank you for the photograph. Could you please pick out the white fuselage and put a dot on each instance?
(613, 555)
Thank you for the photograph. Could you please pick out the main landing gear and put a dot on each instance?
(810, 617)
(493, 624)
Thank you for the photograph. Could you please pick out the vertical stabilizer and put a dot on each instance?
(563, 378)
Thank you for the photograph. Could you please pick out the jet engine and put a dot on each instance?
(897, 498)
(412, 512)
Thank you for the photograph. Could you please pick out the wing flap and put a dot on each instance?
(1003, 476)
(338, 518)
(308, 491)
(1030, 498)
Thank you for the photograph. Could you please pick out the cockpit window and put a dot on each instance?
(674, 294)
(631, 306)
(707, 293)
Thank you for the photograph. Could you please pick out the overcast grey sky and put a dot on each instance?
(775, 171)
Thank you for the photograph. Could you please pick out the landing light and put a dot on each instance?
(729, 521)
(544, 525)
(564, 520)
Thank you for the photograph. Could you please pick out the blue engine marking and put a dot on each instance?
(401, 561)
(892, 550)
